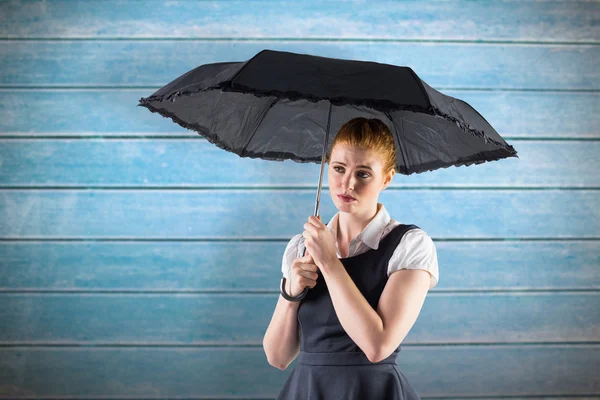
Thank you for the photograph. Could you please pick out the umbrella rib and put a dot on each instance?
(257, 125)
(401, 144)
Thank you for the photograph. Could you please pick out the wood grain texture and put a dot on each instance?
(189, 163)
(242, 372)
(114, 112)
(142, 63)
(137, 260)
(280, 213)
(537, 21)
(253, 266)
(214, 318)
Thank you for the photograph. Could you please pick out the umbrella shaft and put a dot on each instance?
(323, 156)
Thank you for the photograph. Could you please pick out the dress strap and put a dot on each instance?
(393, 238)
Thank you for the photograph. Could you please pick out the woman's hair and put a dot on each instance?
(368, 134)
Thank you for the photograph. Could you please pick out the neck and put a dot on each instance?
(351, 224)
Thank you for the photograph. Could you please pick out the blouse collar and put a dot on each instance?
(371, 234)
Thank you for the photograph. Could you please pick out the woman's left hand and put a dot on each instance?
(319, 242)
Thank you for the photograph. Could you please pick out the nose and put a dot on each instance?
(348, 182)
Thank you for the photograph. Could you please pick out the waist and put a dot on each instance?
(342, 358)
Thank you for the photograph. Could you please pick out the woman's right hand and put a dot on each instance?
(303, 273)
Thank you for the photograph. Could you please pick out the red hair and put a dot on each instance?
(368, 134)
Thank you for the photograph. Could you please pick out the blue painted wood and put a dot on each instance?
(186, 214)
(185, 266)
(499, 284)
(416, 20)
(184, 163)
(214, 319)
(69, 112)
(242, 372)
(129, 63)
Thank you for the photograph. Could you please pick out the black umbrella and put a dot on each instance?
(280, 105)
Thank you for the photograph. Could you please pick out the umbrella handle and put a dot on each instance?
(287, 296)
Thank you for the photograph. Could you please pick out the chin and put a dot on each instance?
(346, 206)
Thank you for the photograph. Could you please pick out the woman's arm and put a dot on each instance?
(282, 338)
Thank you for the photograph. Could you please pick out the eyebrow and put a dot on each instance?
(360, 166)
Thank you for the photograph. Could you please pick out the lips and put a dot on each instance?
(346, 198)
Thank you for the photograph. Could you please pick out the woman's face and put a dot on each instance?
(357, 173)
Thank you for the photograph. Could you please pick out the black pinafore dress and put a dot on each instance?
(330, 365)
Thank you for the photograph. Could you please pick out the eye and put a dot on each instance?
(365, 175)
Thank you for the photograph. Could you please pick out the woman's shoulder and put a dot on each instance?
(416, 250)
(418, 232)
(418, 235)
(414, 231)
(413, 237)
(416, 241)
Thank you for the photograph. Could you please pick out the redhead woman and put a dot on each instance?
(368, 277)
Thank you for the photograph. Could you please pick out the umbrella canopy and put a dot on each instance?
(280, 105)
(277, 105)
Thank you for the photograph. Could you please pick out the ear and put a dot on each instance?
(388, 179)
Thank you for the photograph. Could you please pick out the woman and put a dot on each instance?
(369, 276)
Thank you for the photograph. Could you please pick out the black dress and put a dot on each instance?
(330, 365)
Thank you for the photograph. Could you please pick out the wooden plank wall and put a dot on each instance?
(139, 261)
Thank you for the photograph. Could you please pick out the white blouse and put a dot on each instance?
(416, 250)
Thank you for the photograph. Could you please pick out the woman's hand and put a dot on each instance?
(319, 242)
(303, 273)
